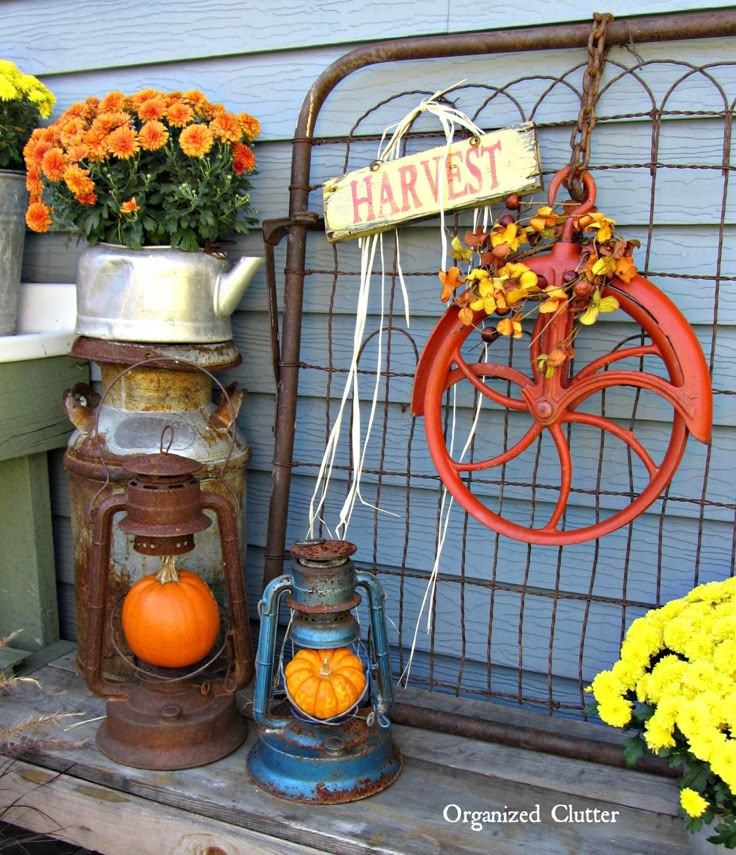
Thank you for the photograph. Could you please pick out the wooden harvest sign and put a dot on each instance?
(476, 171)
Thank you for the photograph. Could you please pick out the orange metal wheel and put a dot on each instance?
(555, 405)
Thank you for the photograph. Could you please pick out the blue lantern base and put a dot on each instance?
(323, 764)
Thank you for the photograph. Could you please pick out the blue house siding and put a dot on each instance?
(543, 617)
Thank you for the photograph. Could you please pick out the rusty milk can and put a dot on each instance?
(153, 397)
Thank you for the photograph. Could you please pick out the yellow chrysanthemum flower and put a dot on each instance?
(692, 802)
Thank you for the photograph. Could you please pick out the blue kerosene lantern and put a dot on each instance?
(300, 754)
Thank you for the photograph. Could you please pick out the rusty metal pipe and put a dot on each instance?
(531, 738)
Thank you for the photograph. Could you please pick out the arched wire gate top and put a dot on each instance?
(522, 624)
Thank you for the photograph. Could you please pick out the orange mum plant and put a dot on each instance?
(152, 168)
(497, 281)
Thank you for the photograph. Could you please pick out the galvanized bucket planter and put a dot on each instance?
(13, 204)
(158, 294)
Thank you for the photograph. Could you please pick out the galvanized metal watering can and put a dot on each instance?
(159, 294)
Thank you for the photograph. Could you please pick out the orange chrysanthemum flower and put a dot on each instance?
(123, 143)
(34, 184)
(38, 217)
(105, 123)
(72, 132)
(243, 159)
(179, 114)
(36, 148)
(53, 164)
(196, 140)
(130, 207)
(226, 128)
(78, 180)
(142, 95)
(77, 152)
(200, 104)
(113, 102)
(96, 149)
(152, 108)
(250, 126)
(153, 136)
(86, 198)
(76, 111)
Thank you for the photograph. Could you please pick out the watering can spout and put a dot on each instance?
(232, 285)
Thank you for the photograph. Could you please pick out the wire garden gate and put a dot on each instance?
(517, 622)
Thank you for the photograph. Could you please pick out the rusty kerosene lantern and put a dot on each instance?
(168, 717)
(324, 734)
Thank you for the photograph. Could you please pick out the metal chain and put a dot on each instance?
(580, 139)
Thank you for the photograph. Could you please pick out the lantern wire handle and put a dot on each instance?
(158, 360)
(168, 431)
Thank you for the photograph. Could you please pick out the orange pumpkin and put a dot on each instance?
(171, 618)
(325, 683)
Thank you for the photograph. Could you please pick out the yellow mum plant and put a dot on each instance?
(493, 276)
(152, 168)
(24, 101)
(675, 686)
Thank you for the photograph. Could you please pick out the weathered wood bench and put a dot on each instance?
(517, 800)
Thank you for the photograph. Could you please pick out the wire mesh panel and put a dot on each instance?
(474, 612)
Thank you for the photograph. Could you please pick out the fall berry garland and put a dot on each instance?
(499, 283)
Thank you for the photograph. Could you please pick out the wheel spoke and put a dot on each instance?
(617, 356)
(626, 436)
(505, 456)
(582, 388)
(563, 450)
(474, 371)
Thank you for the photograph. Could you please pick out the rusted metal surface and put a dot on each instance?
(318, 764)
(215, 357)
(322, 551)
(163, 506)
(174, 725)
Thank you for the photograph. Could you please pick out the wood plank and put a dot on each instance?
(27, 577)
(388, 194)
(608, 785)
(112, 822)
(31, 418)
(130, 30)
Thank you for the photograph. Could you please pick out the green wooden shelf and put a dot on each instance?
(32, 422)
